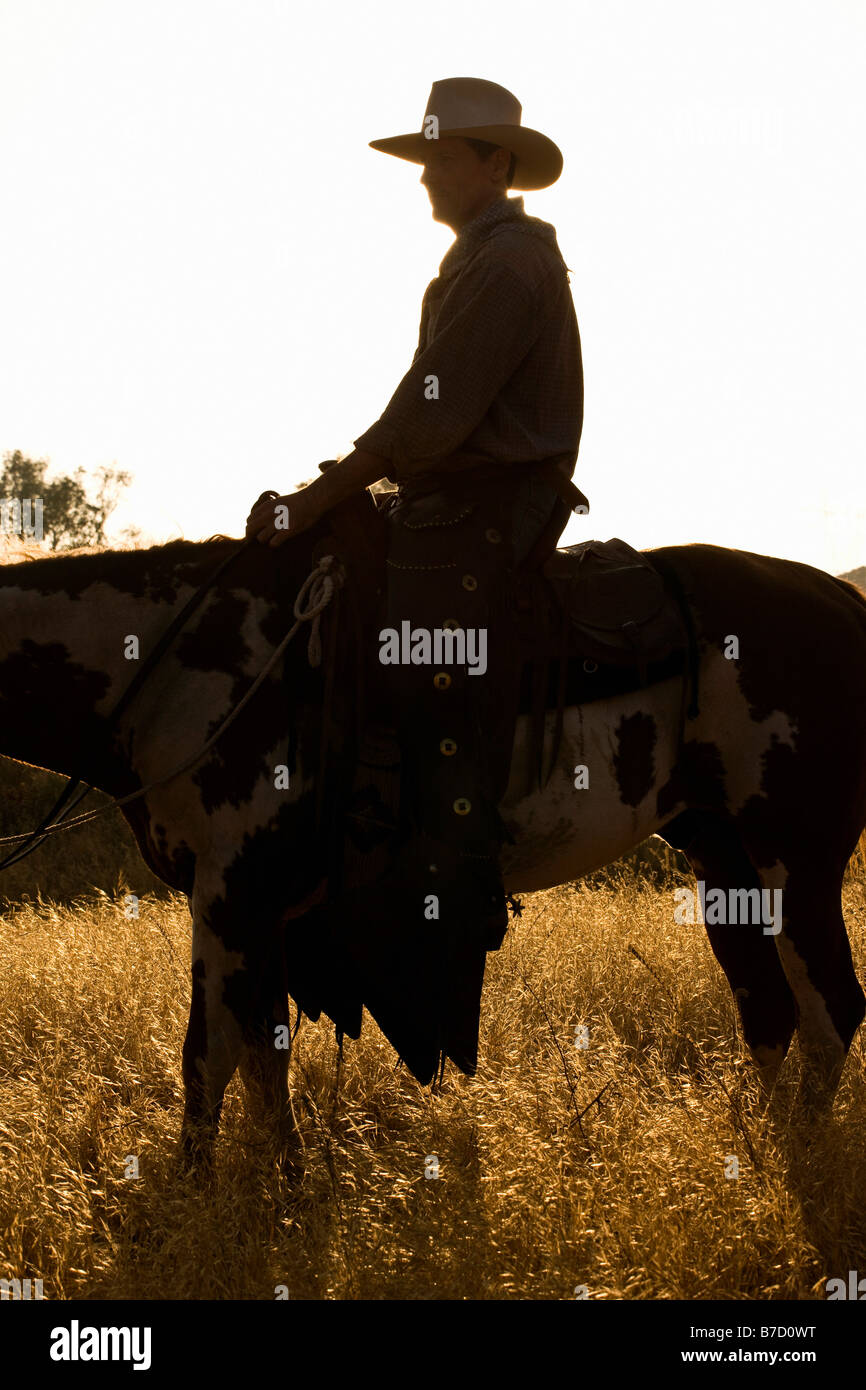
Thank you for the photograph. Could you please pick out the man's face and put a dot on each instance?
(459, 184)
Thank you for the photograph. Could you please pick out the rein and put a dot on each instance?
(319, 586)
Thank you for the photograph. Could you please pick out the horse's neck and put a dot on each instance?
(67, 651)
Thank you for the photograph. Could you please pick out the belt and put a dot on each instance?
(470, 481)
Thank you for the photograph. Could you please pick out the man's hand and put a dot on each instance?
(277, 520)
(274, 521)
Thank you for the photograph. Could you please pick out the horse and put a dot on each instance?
(214, 755)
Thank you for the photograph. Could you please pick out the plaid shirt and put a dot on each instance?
(497, 377)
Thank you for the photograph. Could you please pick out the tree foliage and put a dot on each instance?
(71, 515)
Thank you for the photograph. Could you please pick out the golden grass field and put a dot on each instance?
(540, 1191)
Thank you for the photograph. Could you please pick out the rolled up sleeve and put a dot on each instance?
(486, 325)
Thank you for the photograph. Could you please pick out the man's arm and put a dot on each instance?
(343, 479)
(487, 324)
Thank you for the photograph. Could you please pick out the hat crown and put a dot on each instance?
(471, 101)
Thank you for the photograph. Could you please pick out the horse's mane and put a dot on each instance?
(14, 553)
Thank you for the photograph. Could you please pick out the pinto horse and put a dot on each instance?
(764, 788)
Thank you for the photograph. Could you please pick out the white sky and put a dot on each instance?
(208, 279)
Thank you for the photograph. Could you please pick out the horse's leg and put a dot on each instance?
(264, 1061)
(214, 1037)
(749, 959)
(815, 954)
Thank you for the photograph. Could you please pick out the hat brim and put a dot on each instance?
(539, 161)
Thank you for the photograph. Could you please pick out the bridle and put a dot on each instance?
(318, 588)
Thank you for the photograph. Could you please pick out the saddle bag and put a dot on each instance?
(618, 606)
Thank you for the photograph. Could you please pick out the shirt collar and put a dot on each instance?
(485, 224)
(471, 236)
(502, 210)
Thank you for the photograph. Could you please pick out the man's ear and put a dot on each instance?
(501, 160)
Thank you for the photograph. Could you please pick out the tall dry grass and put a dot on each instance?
(101, 855)
(560, 1167)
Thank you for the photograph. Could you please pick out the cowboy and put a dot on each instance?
(480, 438)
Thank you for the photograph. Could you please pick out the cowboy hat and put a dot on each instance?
(480, 110)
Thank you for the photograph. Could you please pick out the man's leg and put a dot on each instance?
(450, 775)
(427, 900)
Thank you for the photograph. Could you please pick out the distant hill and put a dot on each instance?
(857, 576)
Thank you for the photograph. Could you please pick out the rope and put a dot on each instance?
(318, 588)
(320, 585)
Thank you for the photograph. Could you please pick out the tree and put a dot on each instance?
(69, 516)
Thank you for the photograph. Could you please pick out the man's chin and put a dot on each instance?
(439, 213)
